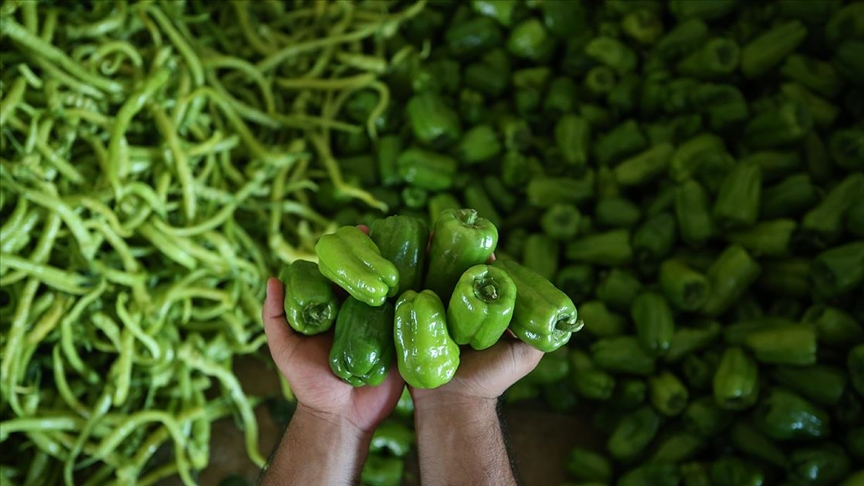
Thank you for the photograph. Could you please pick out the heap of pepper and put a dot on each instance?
(386, 266)
(689, 172)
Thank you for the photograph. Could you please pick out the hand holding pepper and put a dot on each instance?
(334, 421)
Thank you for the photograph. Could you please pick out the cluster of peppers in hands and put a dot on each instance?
(389, 264)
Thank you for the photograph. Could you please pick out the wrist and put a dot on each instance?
(454, 406)
(330, 424)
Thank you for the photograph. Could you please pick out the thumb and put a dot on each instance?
(281, 339)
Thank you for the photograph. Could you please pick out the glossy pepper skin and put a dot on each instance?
(736, 381)
(352, 261)
(426, 355)
(544, 317)
(362, 350)
(481, 306)
(402, 240)
(783, 415)
(461, 240)
(310, 303)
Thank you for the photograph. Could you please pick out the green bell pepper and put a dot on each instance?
(382, 471)
(704, 417)
(586, 379)
(434, 123)
(600, 321)
(362, 350)
(736, 381)
(461, 239)
(544, 317)
(393, 437)
(839, 270)
(749, 440)
(425, 354)
(426, 169)
(730, 275)
(629, 393)
(668, 395)
(822, 465)
(587, 465)
(737, 203)
(552, 367)
(834, 327)
(622, 354)
(310, 303)
(790, 345)
(784, 415)
(481, 306)
(677, 446)
(653, 321)
(540, 254)
(351, 260)
(688, 340)
(402, 240)
(823, 384)
(633, 433)
(734, 471)
(653, 473)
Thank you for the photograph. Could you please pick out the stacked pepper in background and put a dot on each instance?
(692, 172)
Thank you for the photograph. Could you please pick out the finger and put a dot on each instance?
(363, 228)
(491, 258)
(524, 357)
(280, 338)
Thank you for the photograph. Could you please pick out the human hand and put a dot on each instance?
(305, 363)
(483, 375)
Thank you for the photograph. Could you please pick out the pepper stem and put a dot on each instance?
(569, 324)
(486, 289)
(315, 314)
(469, 217)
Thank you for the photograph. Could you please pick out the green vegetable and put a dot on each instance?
(481, 306)
(704, 417)
(731, 470)
(587, 465)
(600, 321)
(461, 239)
(351, 260)
(783, 415)
(382, 471)
(736, 382)
(586, 379)
(479, 144)
(543, 317)
(691, 210)
(688, 340)
(619, 289)
(822, 465)
(652, 318)
(838, 270)
(822, 384)
(426, 169)
(310, 304)
(730, 275)
(769, 49)
(402, 240)
(633, 433)
(658, 473)
(685, 288)
(668, 395)
(362, 348)
(622, 354)
(609, 248)
(737, 203)
(561, 221)
(425, 354)
(434, 123)
(792, 345)
(752, 442)
(572, 136)
(541, 255)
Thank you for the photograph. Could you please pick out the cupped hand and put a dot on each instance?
(483, 375)
(305, 363)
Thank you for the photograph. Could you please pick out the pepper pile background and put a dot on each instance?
(698, 162)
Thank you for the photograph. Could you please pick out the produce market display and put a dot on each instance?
(689, 173)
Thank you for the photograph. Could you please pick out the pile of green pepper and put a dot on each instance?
(394, 307)
(689, 173)
(157, 162)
